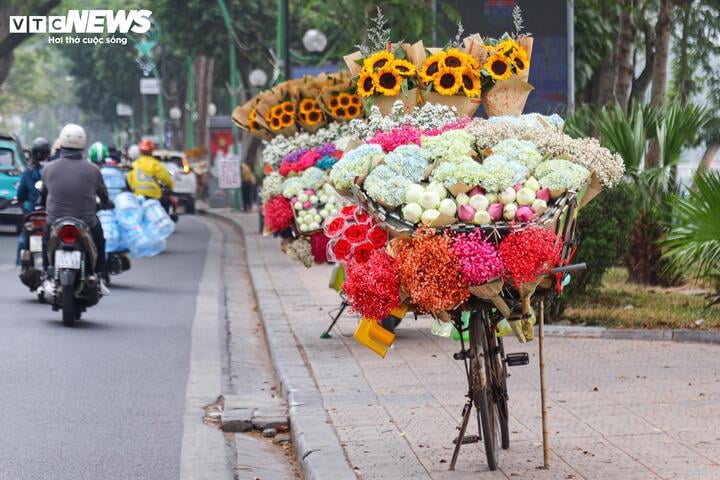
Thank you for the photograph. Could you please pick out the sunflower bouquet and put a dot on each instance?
(506, 70)
(309, 114)
(277, 110)
(451, 77)
(246, 117)
(338, 98)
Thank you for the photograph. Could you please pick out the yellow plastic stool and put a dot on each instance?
(373, 336)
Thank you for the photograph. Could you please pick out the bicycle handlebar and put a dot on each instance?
(569, 268)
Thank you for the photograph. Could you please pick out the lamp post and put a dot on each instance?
(234, 75)
(283, 42)
(190, 107)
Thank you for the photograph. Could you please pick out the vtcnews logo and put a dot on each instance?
(84, 21)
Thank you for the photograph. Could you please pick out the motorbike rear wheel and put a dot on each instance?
(70, 308)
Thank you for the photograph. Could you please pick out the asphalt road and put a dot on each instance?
(104, 400)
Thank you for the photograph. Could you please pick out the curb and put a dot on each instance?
(316, 443)
(677, 335)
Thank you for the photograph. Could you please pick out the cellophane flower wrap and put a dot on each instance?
(373, 286)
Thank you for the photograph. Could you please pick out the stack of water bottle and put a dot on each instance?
(136, 224)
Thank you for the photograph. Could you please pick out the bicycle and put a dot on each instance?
(486, 365)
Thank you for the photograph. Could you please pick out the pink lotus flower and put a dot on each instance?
(524, 214)
(518, 187)
(496, 211)
(307, 205)
(476, 191)
(466, 213)
(543, 194)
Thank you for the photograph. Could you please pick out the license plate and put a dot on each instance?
(36, 243)
(65, 259)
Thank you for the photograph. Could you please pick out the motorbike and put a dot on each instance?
(171, 203)
(74, 286)
(32, 271)
(117, 263)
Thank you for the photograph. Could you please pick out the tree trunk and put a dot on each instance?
(683, 70)
(203, 66)
(660, 71)
(642, 82)
(624, 49)
(708, 157)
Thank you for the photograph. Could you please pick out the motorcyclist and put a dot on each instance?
(97, 153)
(71, 187)
(114, 154)
(148, 176)
(27, 193)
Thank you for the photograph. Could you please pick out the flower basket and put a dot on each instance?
(506, 97)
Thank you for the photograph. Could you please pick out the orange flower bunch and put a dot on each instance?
(281, 115)
(451, 72)
(345, 106)
(309, 112)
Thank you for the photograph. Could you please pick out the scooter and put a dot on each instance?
(74, 286)
(32, 271)
(171, 203)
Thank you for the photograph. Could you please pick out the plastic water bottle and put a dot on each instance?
(128, 210)
(111, 230)
(156, 221)
(141, 244)
(114, 181)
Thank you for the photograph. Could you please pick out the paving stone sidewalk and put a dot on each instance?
(618, 408)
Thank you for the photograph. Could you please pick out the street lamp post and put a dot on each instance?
(190, 107)
(234, 76)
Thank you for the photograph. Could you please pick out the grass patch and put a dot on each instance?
(618, 304)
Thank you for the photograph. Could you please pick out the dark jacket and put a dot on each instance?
(27, 194)
(70, 187)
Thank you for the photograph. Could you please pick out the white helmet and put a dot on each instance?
(133, 152)
(73, 136)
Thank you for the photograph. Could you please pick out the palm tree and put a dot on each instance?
(692, 243)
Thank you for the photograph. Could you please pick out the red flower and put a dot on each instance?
(278, 213)
(377, 237)
(341, 249)
(348, 211)
(362, 252)
(362, 217)
(335, 227)
(356, 233)
(373, 287)
(338, 154)
(318, 246)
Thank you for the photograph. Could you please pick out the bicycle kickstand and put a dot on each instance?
(326, 333)
(467, 410)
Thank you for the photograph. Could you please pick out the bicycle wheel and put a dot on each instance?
(497, 379)
(488, 416)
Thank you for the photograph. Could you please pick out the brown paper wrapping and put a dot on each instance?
(527, 43)
(385, 104)
(459, 188)
(491, 291)
(240, 117)
(270, 98)
(442, 220)
(506, 97)
(443, 316)
(465, 106)
(475, 47)
(593, 190)
(526, 291)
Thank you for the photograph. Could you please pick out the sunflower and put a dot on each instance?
(448, 82)
(403, 67)
(387, 81)
(431, 67)
(333, 103)
(454, 58)
(307, 104)
(507, 46)
(275, 123)
(288, 107)
(339, 112)
(355, 100)
(286, 120)
(353, 111)
(344, 99)
(378, 60)
(470, 83)
(365, 85)
(314, 117)
(519, 59)
(498, 66)
(252, 121)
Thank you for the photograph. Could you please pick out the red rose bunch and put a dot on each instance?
(373, 286)
(431, 273)
(353, 235)
(278, 214)
(529, 253)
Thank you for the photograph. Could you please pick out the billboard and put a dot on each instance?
(547, 21)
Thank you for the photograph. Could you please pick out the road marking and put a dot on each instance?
(203, 447)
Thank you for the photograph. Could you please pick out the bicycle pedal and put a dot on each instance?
(468, 439)
(517, 359)
(461, 355)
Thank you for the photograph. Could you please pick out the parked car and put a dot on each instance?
(183, 177)
(12, 164)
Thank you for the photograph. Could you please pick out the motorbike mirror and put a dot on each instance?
(39, 185)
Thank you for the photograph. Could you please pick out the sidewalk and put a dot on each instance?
(623, 409)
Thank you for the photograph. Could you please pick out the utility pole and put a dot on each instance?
(234, 75)
(190, 107)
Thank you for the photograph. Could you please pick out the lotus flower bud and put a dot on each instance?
(314, 226)
(438, 188)
(524, 214)
(476, 191)
(324, 213)
(429, 199)
(413, 193)
(411, 212)
(532, 184)
(482, 218)
(309, 191)
(429, 216)
(479, 202)
(539, 206)
(496, 211)
(313, 199)
(303, 197)
(462, 199)
(517, 187)
(307, 205)
(543, 194)
(303, 227)
(298, 206)
(525, 196)
(510, 211)
(323, 198)
(492, 198)
(466, 213)
(556, 192)
(448, 207)
(507, 196)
